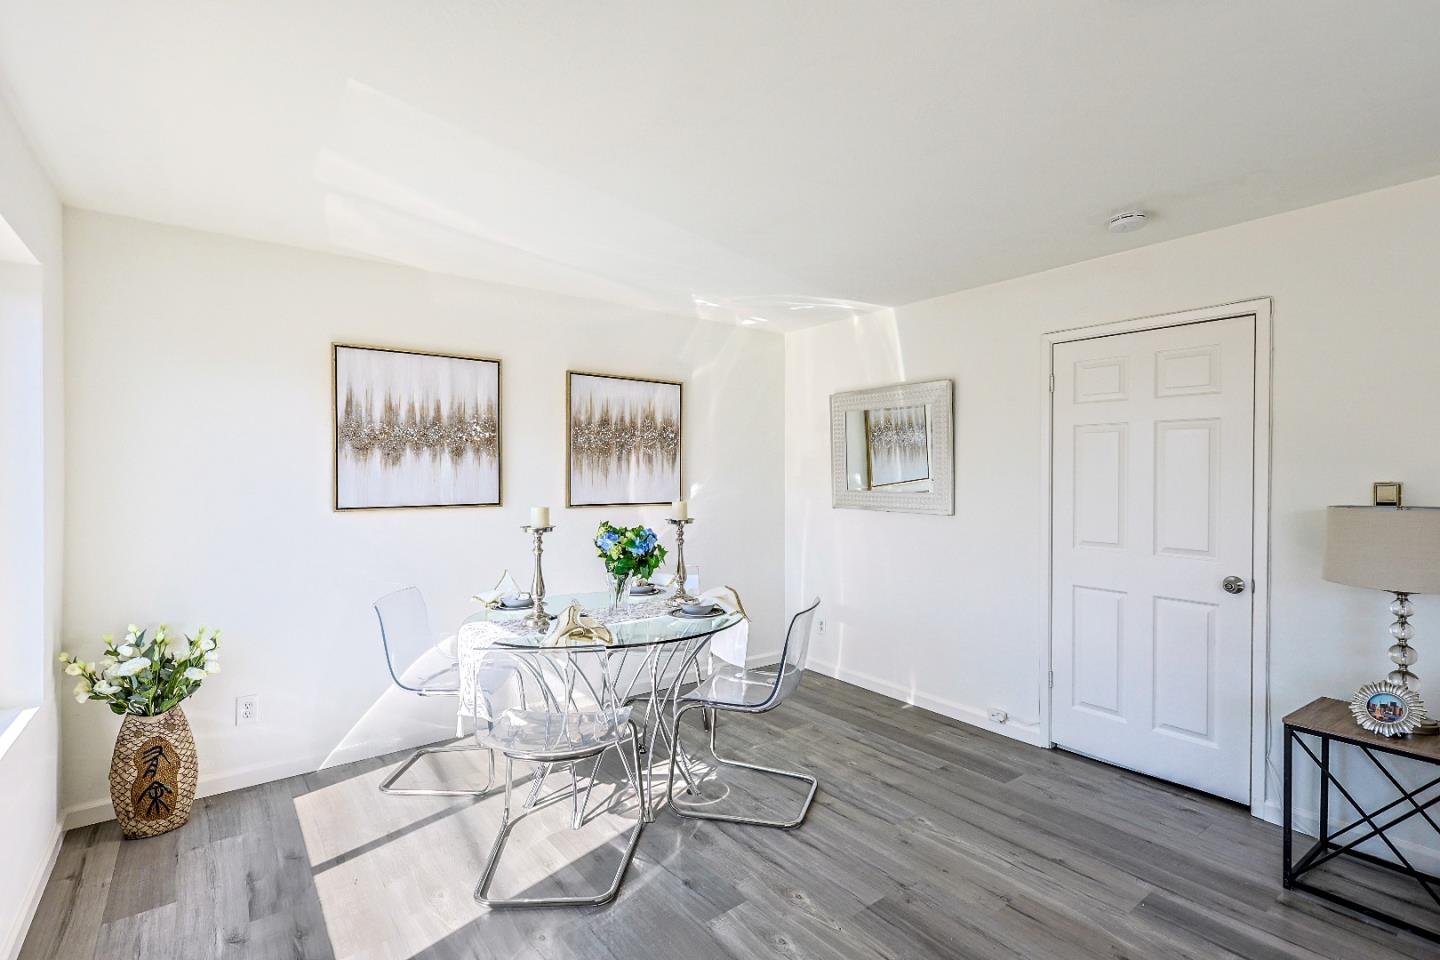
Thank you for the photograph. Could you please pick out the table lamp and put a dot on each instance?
(1396, 549)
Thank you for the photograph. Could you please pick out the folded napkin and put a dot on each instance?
(727, 597)
(573, 629)
(504, 587)
(730, 645)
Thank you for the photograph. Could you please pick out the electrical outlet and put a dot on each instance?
(247, 709)
(998, 716)
(820, 626)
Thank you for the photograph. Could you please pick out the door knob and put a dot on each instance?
(1233, 584)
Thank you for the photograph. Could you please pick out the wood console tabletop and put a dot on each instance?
(1329, 717)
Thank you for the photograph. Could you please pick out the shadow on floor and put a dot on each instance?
(928, 838)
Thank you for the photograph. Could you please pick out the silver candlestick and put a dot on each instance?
(681, 593)
(538, 618)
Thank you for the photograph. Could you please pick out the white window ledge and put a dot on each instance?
(13, 720)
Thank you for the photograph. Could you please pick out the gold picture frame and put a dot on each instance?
(585, 500)
(1387, 493)
(335, 428)
(871, 439)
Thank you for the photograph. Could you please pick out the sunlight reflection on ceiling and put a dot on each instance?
(406, 186)
(781, 312)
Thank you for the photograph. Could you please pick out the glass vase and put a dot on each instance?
(619, 589)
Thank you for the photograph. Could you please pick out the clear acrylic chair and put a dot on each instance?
(421, 666)
(539, 706)
(735, 689)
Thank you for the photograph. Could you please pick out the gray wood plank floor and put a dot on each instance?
(928, 839)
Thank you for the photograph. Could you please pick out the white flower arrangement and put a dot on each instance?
(146, 676)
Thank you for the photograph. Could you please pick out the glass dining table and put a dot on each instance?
(649, 635)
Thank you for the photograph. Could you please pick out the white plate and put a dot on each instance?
(681, 614)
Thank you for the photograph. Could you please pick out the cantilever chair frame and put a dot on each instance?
(534, 802)
(769, 703)
(387, 786)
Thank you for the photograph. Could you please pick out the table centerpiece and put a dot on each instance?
(626, 552)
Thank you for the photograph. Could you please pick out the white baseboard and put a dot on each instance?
(975, 716)
(85, 813)
(88, 812)
(16, 937)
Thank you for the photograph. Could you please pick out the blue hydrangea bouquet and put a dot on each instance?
(627, 552)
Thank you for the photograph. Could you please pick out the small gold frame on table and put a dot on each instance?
(1387, 708)
(1387, 493)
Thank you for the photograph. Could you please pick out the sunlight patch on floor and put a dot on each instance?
(423, 856)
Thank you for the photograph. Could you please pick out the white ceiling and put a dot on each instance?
(784, 159)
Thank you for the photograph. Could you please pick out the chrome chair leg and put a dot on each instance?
(575, 794)
(508, 821)
(537, 781)
(695, 814)
(387, 786)
(704, 714)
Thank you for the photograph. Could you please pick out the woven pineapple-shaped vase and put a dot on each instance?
(153, 774)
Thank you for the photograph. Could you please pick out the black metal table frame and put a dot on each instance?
(1328, 846)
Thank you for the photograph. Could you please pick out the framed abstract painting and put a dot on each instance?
(623, 440)
(415, 429)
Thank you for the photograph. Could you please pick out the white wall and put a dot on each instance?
(22, 482)
(200, 465)
(29, 749)
(1356, 395)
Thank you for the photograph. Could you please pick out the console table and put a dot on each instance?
(1329, 721)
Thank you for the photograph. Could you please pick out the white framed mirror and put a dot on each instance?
(892, 448)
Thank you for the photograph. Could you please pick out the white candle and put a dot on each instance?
(539, 516)
(681, 509)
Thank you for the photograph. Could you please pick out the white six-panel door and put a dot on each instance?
(1152, 482)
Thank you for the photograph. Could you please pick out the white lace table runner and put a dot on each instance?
(479, 634)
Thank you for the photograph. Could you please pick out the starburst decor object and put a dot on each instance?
(1387, 708)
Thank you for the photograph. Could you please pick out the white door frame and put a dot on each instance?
(1260, 515)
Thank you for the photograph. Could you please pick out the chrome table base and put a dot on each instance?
(658, 703)
(652, 734)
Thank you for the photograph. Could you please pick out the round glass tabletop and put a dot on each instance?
(642, 622)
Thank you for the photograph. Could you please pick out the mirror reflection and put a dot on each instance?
(889, 448)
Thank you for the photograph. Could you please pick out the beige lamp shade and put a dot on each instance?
(1384, 548)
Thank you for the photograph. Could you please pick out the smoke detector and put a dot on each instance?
(1128, 221)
